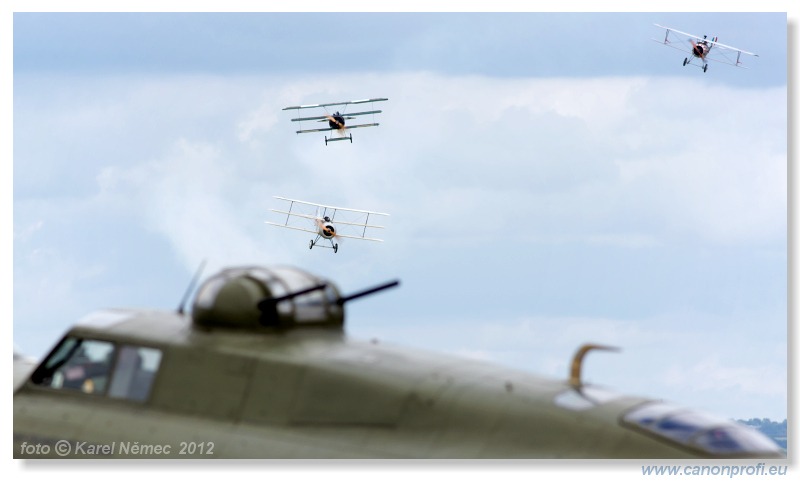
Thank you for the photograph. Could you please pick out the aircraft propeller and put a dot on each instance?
(328, 230)
(340, 125)
(699, 51)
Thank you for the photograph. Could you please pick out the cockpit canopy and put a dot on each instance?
(258, 297)
(708, 434)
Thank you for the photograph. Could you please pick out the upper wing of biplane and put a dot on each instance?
(719, 52)
(355, 222)
(351, 102)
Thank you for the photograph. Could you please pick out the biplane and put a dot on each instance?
(702, 48)
(328, 222)
(337, 121)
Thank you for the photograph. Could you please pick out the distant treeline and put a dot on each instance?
(774, 430)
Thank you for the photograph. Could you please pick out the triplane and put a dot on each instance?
(702, 48)
(336, 120)
(323, 220)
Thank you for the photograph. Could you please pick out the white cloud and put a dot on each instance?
(24, 233)
(192, 197)
(711, 374)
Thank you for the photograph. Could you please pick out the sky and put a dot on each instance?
(551, 178)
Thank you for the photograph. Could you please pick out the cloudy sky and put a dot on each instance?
(552, 179)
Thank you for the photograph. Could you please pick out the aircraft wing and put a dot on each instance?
(338, 222)
(346, 127)
(726, 54)
(305, 216)
(722, 46)
(360, 237)
(351, 102)
(344, 209)
(313, 231)
(668, 29)
(346, 116)
(23, 367)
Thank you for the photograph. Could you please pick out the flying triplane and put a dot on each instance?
(336, 120)
(702, 48)
(323, 219)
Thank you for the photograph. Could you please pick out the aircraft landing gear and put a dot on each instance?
(705, 67)
(334, 139)
(310, 244)
(685, 61)
(335, 248)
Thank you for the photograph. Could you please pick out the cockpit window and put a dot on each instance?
(134, 372)
(100, 367)
(79, 365)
